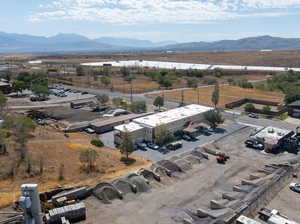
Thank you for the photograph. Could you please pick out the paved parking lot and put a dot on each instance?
(189, 146)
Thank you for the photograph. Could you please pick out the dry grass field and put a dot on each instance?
(273, 58)
(55, 149)
(228, 94)
(142, 83)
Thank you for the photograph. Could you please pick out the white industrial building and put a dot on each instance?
(271, 137)
(176, 119)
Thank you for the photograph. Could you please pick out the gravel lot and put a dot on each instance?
(167, 201)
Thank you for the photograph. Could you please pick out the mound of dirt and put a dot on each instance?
(106, 192)
(124, 186)
(140, 182)
(192, 159)
(170, 166)
(183, 164)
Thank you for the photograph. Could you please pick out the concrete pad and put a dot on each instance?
(231, 196)
(214, 204)
(215, 214)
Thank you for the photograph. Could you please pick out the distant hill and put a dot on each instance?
(22, 43)
(251, 43)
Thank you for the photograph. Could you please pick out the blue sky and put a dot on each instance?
(156, 20)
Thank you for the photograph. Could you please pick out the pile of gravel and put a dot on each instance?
(183, 164)
(149, 175)
(106, 192)
(170, 166)
(192, 159)
(140, 182)
(124, 186)
(161, 171)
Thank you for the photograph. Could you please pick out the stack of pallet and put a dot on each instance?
(73, 213)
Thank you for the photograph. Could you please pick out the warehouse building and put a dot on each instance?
(145, 128)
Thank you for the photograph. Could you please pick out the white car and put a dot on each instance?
(115, 113)
(295, 187)
(90, 130)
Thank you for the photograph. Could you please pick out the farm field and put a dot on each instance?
(53, 148)
(228, 94)
(273, 58)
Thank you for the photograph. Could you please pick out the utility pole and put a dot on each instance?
(182, 97)
(131, 92)
(198, 94)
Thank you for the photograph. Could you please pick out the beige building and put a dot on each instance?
(144, 128)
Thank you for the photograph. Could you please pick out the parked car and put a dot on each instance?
(90, 131)
(252, 115)
(84, 93)
(174, 145)
(295, 187)
(38, 98)
(142, 146)
(163, 150)
(152, 145)
(100, 108)
(254, 144)
(115, 113)
(186, 138)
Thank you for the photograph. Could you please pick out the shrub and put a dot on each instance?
(97, 143)
(249, 108)
(210, 81)
(266, 110)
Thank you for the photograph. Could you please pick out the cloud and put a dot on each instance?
(160, 11)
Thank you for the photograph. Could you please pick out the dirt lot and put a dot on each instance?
(170, 200)
(55, 149)
(287, 202)
(228, 94)
(274, 58)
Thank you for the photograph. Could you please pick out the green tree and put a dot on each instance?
(165, 81)
(138, 107)
(103, 98)
(127, 145)
(125, 71)
(266, 110)
(292, 94)
(3, 101)
(20, 127)
(249, 108)
(210, 81)
(3, 141)
(40, 90)
(105, 80)
(163, 135)
(19, 86)
(213, 117)
(216, 95)
(192, 83)
(89, 158)
(158, 101)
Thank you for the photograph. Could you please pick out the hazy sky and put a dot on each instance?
(156, 20)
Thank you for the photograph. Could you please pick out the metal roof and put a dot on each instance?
(272, 133)
(170, 116)
(130, 127)
(4, 84)
(113, 120)
(172, 65)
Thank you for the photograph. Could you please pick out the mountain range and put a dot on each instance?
(22, 43)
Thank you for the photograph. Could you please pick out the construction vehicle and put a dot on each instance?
(222, 158)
